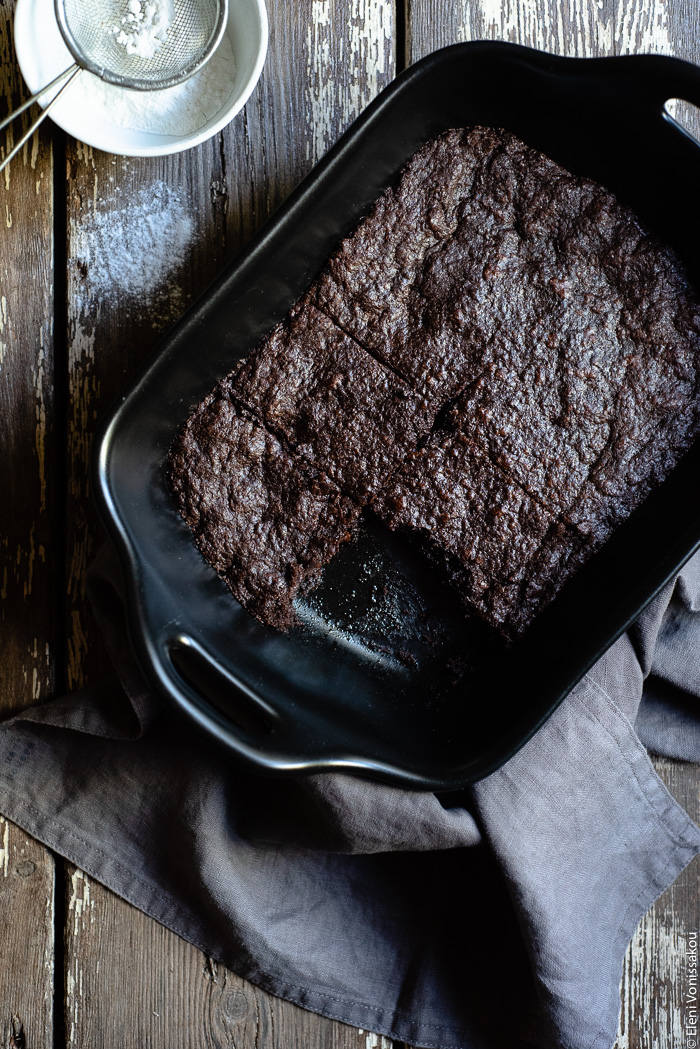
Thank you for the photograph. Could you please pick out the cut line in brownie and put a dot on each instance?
(266, 522)
(336, 405)
(368, 286)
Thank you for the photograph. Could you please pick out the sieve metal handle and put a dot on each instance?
(70, 74)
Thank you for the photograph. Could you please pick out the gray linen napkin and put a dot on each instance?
(494, 918)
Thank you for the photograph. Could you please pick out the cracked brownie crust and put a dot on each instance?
(499, 359)
(266, 521)
(489, 529)
(335, 404)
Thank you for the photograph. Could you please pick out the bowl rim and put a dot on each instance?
(169, 144)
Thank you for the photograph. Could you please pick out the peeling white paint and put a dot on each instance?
(576, 28)
(72, 998)
(361, 48)
(369, 44)
(81, 907)
(80, 903)
(319, 79)
(643, 26)
(377, 1041)
(5, 847)
(663, 946)
(50, 915)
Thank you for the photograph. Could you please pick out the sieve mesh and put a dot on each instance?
(192, 35)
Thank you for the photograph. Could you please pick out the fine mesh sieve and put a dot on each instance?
(91, 31)
(194, 31)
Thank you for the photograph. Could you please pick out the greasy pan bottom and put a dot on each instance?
(386, 676)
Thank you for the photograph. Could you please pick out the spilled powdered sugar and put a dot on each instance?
(135, 251)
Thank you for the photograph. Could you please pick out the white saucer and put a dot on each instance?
(42, 55)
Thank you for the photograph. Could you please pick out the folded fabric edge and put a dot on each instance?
(96, 864)
(681, 830)
(629, 925)
(676, 821)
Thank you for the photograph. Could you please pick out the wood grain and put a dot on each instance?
(27, 554)
(121, 962)
(577, 28)
(223, 192)
(26, 941)
(26, 402)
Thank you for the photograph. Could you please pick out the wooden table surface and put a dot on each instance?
(78, 966)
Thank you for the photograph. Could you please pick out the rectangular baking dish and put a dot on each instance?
(385, 676)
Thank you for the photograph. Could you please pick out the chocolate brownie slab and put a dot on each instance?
(346, 413)
(368, 286)
(455, 498)
(266, 522)
(557, 339)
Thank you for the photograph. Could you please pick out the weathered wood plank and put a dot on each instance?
(27, 621)
(213, 199)
(655, 977)
(26, 940)
(121, 963)
(652, 987)
(26, 403)
(575, 28)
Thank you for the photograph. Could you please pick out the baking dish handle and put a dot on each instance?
(225, 707)
(202, 687)
(668, 78)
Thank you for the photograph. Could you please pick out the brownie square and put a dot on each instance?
(627, 472)
(544, 419)
(267, 522)
(346, 413)
(486, 526)
(369, 286)
(513, 606)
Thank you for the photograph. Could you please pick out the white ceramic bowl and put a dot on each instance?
(42, 55)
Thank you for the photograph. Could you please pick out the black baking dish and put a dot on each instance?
(368, 682)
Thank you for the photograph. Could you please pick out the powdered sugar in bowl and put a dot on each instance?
(145, 123)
